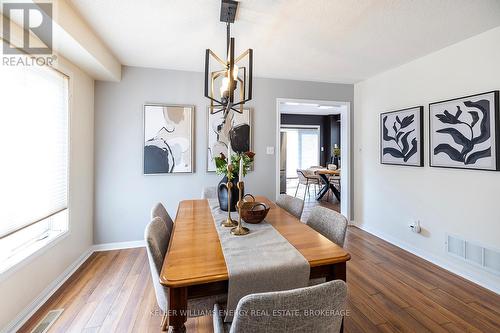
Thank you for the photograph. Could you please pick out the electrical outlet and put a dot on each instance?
(270, 150)
(415, 227)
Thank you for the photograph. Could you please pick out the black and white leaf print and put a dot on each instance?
(464, 132)
(472, 158)
(450, 151)
(393, 152)
(412, 151)
(400, 138)
(407, 121)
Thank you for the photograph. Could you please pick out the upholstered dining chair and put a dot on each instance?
(307, 178)
(159, 210)
(329, 223)
(320, 309)
(293, 205)
(157, 239)
(209, 192)
(335, 181)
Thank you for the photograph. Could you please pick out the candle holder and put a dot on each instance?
(229, 222)
(240, 230)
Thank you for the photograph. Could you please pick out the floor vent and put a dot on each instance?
(486, 258)
(44, 325)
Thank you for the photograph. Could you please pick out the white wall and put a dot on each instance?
(461, 202)
(124, 196)
(22, 285)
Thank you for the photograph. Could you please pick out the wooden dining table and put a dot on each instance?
(327, 185)
(195, 267)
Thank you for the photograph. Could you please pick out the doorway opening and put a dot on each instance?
(301, 148)
(313, 136)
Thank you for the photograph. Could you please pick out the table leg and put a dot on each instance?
(324, 189)
(177, 309)
(322, 193)
(335, 191)
(327, 185)
(338, 272)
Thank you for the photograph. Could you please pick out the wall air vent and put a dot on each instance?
(484, 257)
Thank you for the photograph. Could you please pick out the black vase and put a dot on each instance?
(222, 194)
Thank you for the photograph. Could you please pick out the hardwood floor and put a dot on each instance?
(390, 290)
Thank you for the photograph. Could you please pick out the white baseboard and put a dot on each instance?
(118, 246)
(449, 266)
(44, 296)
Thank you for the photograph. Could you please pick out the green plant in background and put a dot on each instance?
(221, 164)
(336, 151)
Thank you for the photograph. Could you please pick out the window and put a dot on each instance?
(34, 166)
(302, 149)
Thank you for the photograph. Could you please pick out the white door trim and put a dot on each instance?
(345, 149)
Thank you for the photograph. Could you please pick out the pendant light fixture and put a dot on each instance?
(228, 87)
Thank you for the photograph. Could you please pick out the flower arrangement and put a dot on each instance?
(221, 164)
(336, 151)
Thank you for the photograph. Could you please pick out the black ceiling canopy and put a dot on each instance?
(228, 10)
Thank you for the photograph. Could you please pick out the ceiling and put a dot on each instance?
(322, 109)
(315, 40)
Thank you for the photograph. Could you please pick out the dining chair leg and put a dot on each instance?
(297, 189)
(164, 323)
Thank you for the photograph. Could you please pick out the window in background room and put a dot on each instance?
(302, 148)
(34, 168)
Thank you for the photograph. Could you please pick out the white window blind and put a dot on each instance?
(33, 146)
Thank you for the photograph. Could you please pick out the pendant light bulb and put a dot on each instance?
(235, 72)
(224, 86)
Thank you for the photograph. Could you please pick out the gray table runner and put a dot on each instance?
(261, 261)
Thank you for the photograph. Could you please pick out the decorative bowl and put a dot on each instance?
(254, 212)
